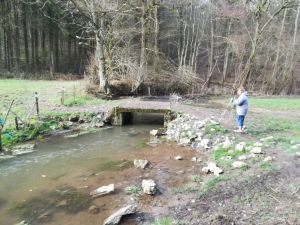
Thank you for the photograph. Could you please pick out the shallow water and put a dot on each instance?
(84, 164)
(64, 161)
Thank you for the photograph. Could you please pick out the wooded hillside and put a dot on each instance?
(168, 45)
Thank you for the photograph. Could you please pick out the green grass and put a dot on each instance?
(133, 190)
(265, 165)
(196, 178)
(163, 221)
(209, 185)
(220, 152)
(183, 190)
(49, 94)
(265, 126)
(276, 103)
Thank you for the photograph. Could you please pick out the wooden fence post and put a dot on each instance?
(62, 99)
(37, 104)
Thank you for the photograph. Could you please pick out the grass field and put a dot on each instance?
(49, 94)
(271, 103)
(276, 103)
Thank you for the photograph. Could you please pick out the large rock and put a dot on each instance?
(178, 157)
(227, 144)
(256, 150)
(116, 217)
(141, 163)
(149, 187)
(154, 132)
(240, 146)
(268, 159)
(104, 190)
(184, 141)
(238, 164)
(212, 168)
(205, 143)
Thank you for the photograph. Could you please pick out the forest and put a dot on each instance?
(127, 46)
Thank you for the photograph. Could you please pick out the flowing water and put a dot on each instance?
(41, 187)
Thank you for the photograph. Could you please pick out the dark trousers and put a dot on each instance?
(240, 120)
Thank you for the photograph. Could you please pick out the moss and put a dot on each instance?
(141, 145)
(31, 209)
(76, 201)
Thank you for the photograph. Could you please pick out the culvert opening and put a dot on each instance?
(130, 118)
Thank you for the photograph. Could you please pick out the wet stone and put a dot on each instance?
(149, 187)
(178, 158)
(256, 150)
(104, 190)
(141, 163)
(116, 217)
(94, 209)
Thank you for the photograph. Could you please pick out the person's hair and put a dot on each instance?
(241, 88)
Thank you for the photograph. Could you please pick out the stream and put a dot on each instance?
(43, 186)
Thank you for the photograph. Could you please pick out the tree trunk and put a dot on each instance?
(17, 37)
(243, 78)
(273, 78)
(226, 57)
(289, 72)
(25, 35)
(156, 33)
(99, 54)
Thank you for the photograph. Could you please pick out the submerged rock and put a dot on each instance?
(140, 163)
(23, 149)
(238, 164)
(104, 190)
(149, 187)
(212, 168)
(116, 217)
(94, 209)
(44, 217)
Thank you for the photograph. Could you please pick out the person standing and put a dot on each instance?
(241, 103)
